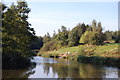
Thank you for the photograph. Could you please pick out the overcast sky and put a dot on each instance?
(49, 16)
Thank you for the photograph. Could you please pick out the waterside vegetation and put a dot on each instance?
(107, 54)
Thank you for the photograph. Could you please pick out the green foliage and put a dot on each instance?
(92, 38)
(72, 38)
(46, 38)
(112, 36)
(80, 34)
(54, 35)
(17, 36)
(71, 44)
(108, 35)
(75, 34)
(80, 29)
(88, 28)
(14, 61)
(51, 45)
(62, 38)
(107, 50)
(38, 43)
(63, 29)
(94, 25)
(100, 60)
(99, 27)
(116, 36)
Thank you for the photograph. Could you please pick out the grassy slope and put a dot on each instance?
(108, 50)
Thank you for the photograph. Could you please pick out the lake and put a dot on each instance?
(62, 68)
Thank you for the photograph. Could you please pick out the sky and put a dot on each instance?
(49, 16)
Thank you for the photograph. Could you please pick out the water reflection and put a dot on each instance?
(19, 73)
(73, 70)
(59, 68)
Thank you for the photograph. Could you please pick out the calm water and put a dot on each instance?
(59, 68)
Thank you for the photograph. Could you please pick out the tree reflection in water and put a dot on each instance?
(21, 73)
(62, 69)
(74, 70)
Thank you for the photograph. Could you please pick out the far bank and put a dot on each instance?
(107, 54)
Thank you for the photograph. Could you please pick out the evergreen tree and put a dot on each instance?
(46, 38)
(59, 30)
(17, 36)
(99, 27)
(63, 29)
(62, 38)
(54, 35)
(94, 25)
(72, 38)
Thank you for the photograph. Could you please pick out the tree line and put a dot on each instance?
(81, 34)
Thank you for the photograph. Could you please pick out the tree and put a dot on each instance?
(88, 28)
(38, 43)
(54, 35)
(46, 38)
(92, 38)
(99, 27)
(94, 25)
(51, 45)
(108, 35)
(59, 30)
(93, 34)
(72, 38)
(17, 36)
(62, 38)
(116, 36)
(63, 29)
(75, 34)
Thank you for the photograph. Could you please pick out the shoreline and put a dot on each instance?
(95, 60)
(100, 55)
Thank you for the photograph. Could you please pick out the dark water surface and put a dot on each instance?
(61, 68)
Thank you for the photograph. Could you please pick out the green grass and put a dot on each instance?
(107, 50)
(101, 55)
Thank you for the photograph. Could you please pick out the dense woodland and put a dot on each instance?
(19, 40)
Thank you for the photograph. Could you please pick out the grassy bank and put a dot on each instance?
(88, 53)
